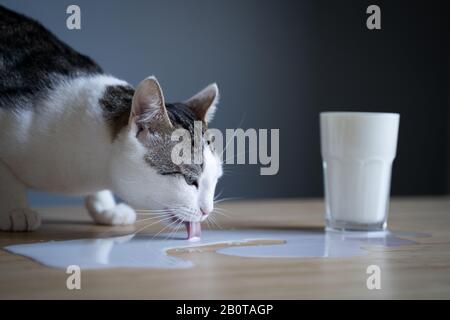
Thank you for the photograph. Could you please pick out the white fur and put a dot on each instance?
(152, 190)
(65, 146)
(103, 209)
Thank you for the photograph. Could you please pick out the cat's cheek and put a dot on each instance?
(186, 195)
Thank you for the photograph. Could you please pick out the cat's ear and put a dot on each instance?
(204, 103)
(148, 108)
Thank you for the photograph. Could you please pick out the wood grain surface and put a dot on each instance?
(419, 271)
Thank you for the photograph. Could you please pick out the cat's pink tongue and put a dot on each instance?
(194, 230)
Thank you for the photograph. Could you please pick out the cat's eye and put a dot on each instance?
(192, 182)
(171, 173)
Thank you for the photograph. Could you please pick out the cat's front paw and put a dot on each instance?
(120, 214)
(21, 219)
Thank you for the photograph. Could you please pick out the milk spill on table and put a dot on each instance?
(146, 251)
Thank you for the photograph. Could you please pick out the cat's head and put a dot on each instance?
(143, 171)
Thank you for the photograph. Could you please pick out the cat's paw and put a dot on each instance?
(120, 214)
(21, 219)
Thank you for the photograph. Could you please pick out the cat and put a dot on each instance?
(67, 127)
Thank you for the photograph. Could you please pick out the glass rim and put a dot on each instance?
(359, 114)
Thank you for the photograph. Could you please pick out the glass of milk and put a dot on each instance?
(357, 152)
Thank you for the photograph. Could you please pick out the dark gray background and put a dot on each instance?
(278, 64)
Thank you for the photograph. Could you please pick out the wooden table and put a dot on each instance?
(416, 272)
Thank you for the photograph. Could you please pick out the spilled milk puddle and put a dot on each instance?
(146, 251)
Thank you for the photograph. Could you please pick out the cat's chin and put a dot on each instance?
(194, 230)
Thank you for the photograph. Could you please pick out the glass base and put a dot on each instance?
(339, 225)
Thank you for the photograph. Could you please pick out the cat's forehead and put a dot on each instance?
(160, 145)
(181, 116)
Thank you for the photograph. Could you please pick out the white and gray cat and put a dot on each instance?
(66, 127)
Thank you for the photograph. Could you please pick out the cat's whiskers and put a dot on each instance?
(234, 135)
(213, 220)
(167, 226)
(157, 210)
(222, 214)
(226, 199)
(180, 225)
(180, 214)
(152, 210)
(233, 157)
(218, 195)
(153, 223)
(208, 224)
(151, 218)
(186, 213)
(175, 229)
(152, 213)
(222, 210)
